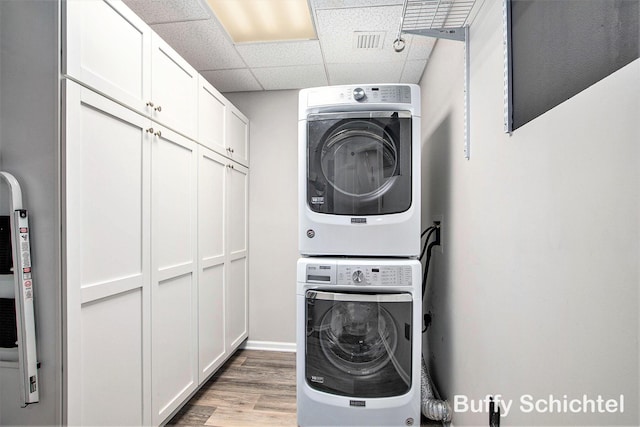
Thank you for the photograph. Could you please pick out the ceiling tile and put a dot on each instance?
(419, 47)
(384, 72)
(336, 29)
(232, 80)
(297, 77)
(155, 11)
(333, 4)
(281, 53)
(412, 72)
(204, 44)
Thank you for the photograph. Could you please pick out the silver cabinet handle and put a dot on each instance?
(150, 104)
(158, 134)
(230, 166)
(158, 108)
(150, 130)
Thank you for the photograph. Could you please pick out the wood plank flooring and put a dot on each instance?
(254, 388)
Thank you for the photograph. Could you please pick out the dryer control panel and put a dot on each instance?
(365, 273)
(397, 94)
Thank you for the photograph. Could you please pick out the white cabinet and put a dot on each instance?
(236, 297)
(106, 268)
(155, 223)
(174, 89)
(174, 298)
(221, 126)
(222, 234)
(211, 117)
(110, 49)
(237, 135)
(212, 221)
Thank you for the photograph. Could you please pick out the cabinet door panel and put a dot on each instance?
(174, 357)
(211, 205)
(108, 48)
(236, 303)
(211, 345)
(237, 282)
(212, 172)
(174, 89)
(237, 135)
(174, 271)
(106, 228)
(111, 166)
(173, 186)
(211, 117)
(112, 361)
(238, 203)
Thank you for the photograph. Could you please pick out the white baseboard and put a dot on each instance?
(269, 346)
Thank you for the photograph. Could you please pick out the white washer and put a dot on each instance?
(358, 342)
(359, 170)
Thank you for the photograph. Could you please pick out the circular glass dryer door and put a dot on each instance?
(358, 345)
(359, 163)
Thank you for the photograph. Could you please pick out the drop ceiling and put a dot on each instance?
(354, 45)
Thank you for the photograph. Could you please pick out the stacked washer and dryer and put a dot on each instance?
(359, 302)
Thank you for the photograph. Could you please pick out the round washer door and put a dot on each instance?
(358, 344)
(360, 159)
(359, 163)
(358, 338)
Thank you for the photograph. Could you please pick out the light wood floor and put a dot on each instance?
(254, 388)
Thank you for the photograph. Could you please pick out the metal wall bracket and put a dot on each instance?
(444, 19)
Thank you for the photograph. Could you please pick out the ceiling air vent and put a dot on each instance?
(368, 39)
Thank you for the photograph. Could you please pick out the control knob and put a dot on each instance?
(358, 94)
(357, 276)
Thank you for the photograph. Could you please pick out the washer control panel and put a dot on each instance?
(353, 273)
(382, 275)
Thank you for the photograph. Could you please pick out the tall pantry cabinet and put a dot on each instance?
(153, 211)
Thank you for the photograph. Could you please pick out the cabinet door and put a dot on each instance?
(108, 48)
(237, 256)
(173, 271)
(212, 177)
(174, 89)
(211, 117)
(106, 264)
(237, 135)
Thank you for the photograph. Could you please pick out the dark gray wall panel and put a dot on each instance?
(561, 47)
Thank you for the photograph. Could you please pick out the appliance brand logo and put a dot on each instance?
(317, 200)
(358, 403)
(317, 379)
(358, 220)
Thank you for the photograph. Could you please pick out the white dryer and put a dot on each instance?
(358, 342)
(359, 170)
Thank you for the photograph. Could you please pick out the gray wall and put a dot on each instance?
(29, 137)
(273, 214)
(536, 291)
